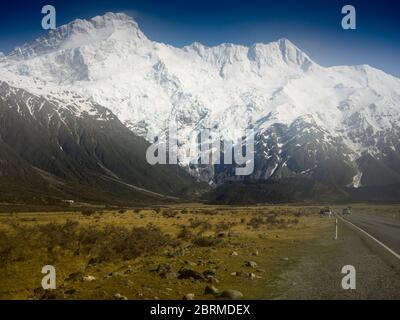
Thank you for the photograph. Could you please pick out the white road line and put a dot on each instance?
(373, 238)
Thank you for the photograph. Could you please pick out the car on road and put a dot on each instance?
(326, 212)
(346, 211)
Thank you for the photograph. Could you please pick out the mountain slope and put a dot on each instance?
(339, 126)
(46, 146)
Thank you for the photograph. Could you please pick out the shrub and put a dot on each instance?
(209, 212)
(6, 249)
(87, 238)
(111, 242)
(271, 219)
(88, 212)
(120, 243)
(55, 235)
(223, 226)
(185, 233)
(204, 225)
(255, 222)
(202, 241)
(169, 213)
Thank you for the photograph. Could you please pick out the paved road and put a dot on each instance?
(384, 229)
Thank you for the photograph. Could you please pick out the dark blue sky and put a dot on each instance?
(314, 26)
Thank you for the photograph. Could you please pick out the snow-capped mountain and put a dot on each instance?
(338, 125)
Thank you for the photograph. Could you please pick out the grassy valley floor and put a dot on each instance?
(162, 252)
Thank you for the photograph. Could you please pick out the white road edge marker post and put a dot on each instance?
(336, 229)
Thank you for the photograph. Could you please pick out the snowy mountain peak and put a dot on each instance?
(268, 86)
(291, 54)
(81, 32)
(274, 54)
(114, 21)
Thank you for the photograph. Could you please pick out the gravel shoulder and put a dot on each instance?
(317, 275)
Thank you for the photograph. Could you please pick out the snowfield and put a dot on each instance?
(227, 88)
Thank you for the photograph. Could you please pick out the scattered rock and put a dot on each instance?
(92, 261)
(255, 253)
(119, 296)
(186, 273)
(190, 263)
(129, 271)
(209, 272)
(129, 283)
(212, 279)
(234, 253)
(88, 278)
(211, 290)
(165, 270)
(231, 294)
(170, 275)
(188, 296)
(75, 276)
(252, 276)
(285, 259)
(177, 253)
(70, 291)
(251, 264)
